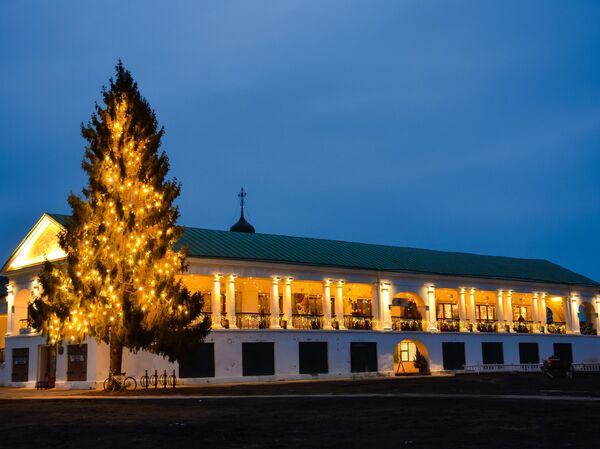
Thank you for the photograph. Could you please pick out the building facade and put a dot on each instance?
(292, 308)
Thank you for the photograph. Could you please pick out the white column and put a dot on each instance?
(500, 310)
(472, 316)
(230, 301)
(287, 302)
(509, 310)
(535, 313)
(376, 306)
(10, 302)
(431, 316)
(597, 314)
(339, 304)
(543, 316)
(327, 303)
(574, 306)
(215, 302)
(275, 303)
(462, 309)
(385, 312)
(568, 319)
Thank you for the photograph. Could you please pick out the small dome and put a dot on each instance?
(242, 225)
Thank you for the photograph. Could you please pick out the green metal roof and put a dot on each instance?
(332, 253)
(60, 218)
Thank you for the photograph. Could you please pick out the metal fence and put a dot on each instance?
(593, 367)
(504, 368)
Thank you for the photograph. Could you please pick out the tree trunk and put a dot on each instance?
(116, 356)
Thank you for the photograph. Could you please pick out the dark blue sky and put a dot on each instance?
(453, 125)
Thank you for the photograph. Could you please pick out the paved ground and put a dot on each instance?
(452, 412)
(498, 384)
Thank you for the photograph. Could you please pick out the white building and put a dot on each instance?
(292, 308)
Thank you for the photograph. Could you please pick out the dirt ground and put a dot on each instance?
(329, 422)
(467, 384)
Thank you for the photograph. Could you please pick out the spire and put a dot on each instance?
(242, 225)
(242, 196)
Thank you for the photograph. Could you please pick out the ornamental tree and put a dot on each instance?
(119, 282)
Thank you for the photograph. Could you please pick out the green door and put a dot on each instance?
(199, 363)
(363, 357)
(453, 355)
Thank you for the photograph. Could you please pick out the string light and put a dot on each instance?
(115, 259)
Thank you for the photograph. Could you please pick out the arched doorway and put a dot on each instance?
(411, 357)
(407, 312)
(587, 316)
(556, 315)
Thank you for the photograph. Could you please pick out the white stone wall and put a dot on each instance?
(228, 353)
(228, 343)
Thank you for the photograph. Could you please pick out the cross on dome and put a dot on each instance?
(242, 225)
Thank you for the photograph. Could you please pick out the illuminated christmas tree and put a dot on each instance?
(120, 283)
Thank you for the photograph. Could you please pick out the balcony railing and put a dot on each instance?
(358, 322)
(25, 326)
(203, 315)
(487, 326)
(587, 328)
(523, 327)
(245, 320)
(407, 324)
(448, 324)
(302, 321)
(557, 328)
(255, 320)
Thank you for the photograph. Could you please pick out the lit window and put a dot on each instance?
(408, 351)
(447, 311)
(520, 313)
(485, 312)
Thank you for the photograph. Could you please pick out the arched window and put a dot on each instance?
(549, 315)
(586, 312)
(586, 317)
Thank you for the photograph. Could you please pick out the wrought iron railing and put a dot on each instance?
(303, 321)
(25, 326)
(557, 327)
(407, 324)
(358, 322)
(523, 327)
(587, 328)
(448, 324)
(487, 326)
(244, 320)
(224, 320)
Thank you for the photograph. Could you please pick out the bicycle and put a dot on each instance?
(119, 381)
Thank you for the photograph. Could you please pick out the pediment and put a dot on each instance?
(40, 244)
